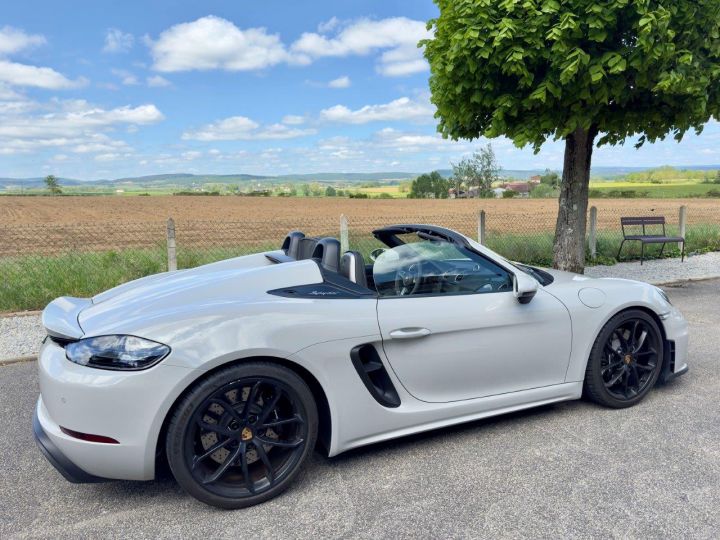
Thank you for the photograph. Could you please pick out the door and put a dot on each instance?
(471, 338)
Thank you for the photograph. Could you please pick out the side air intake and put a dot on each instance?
(373, 374)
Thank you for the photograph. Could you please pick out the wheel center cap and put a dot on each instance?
(246, 434)
(628, 359)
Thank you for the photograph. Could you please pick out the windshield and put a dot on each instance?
(435, 267)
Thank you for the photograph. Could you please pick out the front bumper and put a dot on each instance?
(70, 471)
(129, 407)
(675, 351)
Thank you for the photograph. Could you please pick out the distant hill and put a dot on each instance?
(184, 180)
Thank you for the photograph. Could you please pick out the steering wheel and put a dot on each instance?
(407, 280)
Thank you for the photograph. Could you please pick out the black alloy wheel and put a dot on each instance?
(242, 434)
(625, 361)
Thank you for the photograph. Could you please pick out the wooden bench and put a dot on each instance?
(646, 238)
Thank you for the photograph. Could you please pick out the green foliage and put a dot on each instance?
(53, 184)
(543, 191)
(509, 194)
(330, 191)
(431, 185)
(540, 69)
(358, 195)
(479, 171)
(550, 178)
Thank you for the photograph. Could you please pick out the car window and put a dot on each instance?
(436, 267)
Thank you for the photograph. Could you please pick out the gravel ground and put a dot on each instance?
(570, 470)
(662, 270)
(21, 336)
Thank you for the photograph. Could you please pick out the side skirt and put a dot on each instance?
(427, 417)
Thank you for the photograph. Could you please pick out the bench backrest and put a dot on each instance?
(642, 221)
(647, 220)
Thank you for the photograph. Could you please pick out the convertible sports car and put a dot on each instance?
(231, 372)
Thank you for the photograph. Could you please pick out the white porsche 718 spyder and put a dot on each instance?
(231, 372)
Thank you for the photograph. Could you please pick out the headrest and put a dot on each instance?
(306, 247)
(291, 244)
(327, 253)
(352, 266)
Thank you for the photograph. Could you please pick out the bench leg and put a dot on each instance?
(619, 250)
(682, 252)
(661, 251)
(642, 252)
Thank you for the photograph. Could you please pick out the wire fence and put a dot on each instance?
(41, 262)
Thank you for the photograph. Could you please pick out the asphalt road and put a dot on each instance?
(568, 470)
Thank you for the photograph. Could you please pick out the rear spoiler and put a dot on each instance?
(60, 317)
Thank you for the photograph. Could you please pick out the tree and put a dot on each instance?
(478, 171)
(584, 71)
(53, 184)
(550, 178)
(431, 185)
(330, 191)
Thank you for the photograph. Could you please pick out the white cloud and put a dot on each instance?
(237, 128)
(117, 41)
(40, 77)
(215, 43)
(13, 40)
(340, 82)
(328, 26)
(73, 125)
(293, 120)
(191, 155)
(397, 36)
(418, 142)
(108, 157)
(156, 81)
(403, 109)
(127, 78)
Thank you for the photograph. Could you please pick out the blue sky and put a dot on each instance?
(112, 89)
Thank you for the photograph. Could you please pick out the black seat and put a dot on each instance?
(352, 266)
(306, 248)
(327, 253)
(291, 244)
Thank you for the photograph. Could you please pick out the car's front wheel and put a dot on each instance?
(242, 434)
(625, 361)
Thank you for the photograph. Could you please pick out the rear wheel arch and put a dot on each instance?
(323, 406)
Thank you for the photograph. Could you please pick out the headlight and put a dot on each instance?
(663, 294)
(116, 352)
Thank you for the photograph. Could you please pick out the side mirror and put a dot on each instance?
(524, 287)
(375, 253)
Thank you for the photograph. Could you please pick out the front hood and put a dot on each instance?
(232, 281)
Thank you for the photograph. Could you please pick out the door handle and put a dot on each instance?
(409, 333)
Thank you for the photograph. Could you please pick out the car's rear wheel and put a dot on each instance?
(242, 434)
(625, 361)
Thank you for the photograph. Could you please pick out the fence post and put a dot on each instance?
(592, 238)
(344, 235)
(171, 251)
(481, 227)
(682, 221)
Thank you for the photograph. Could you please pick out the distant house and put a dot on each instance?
(471, 193)
(535, 178)
(498, 191)
(522, 188)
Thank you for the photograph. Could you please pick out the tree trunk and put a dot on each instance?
(569, 244)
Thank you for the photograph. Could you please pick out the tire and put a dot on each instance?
(242, 434)
(620, 373)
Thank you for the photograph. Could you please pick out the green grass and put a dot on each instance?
(661, 191)
(31, 281)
